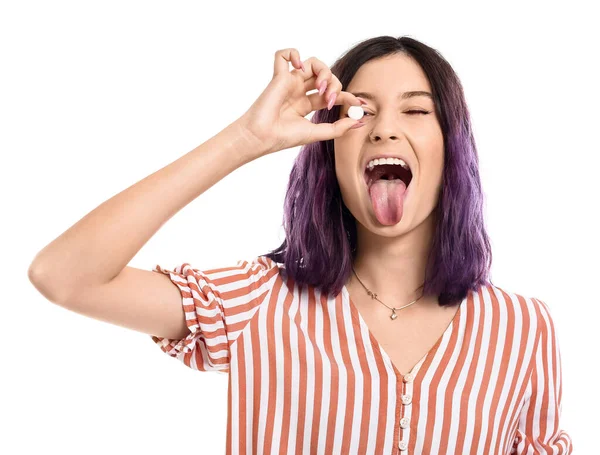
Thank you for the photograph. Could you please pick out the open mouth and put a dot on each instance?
(387, 172)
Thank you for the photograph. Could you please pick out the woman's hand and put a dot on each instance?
(276, 119)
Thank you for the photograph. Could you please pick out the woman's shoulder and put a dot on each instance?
(518, 308)
(263, 262)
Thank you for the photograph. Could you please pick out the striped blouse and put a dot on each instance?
(306, 375)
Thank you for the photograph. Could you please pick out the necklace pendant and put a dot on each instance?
(394, 315)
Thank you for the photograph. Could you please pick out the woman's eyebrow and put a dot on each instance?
(404, 96)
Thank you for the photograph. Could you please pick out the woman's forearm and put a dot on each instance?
(96, 248)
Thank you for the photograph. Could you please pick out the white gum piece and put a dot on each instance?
(356, 112)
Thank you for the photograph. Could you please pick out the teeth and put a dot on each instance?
(374, 163)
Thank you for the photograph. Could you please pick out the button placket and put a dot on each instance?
(406, 399)
(403, 441)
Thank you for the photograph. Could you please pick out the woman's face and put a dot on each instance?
(391, 129)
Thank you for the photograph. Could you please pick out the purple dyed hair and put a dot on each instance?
(321, 241)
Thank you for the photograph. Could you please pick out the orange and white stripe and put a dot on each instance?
(307, 376)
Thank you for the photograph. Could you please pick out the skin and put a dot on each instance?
(391, 260)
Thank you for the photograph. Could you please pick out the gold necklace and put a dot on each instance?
(374, 296)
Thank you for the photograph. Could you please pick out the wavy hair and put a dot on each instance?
(321, 240)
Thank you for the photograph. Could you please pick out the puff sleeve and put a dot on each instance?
(218, 303)
(538, 430)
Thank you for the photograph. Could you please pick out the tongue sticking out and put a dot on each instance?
(387, 197)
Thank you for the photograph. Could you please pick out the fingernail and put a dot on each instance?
(332, 98)
(302, 65)
(357, 125)
(361, 100)
(323, 87)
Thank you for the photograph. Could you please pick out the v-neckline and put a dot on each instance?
(379, 348)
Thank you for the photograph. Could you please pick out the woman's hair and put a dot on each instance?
(321, 240)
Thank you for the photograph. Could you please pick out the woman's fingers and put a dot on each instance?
(334, 86)
(333, 89)
(283, 57)
(318, 102)
(327, 131)
(319, 76)
(316, 75)
(349, 99)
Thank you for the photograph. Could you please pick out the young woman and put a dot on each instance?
(374, 327)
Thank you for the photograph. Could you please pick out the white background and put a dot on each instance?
(95, 96)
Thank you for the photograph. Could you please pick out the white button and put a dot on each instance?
(355, 112)
(402, 445)
(404, 422)
(408, 377)
(406, 399)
